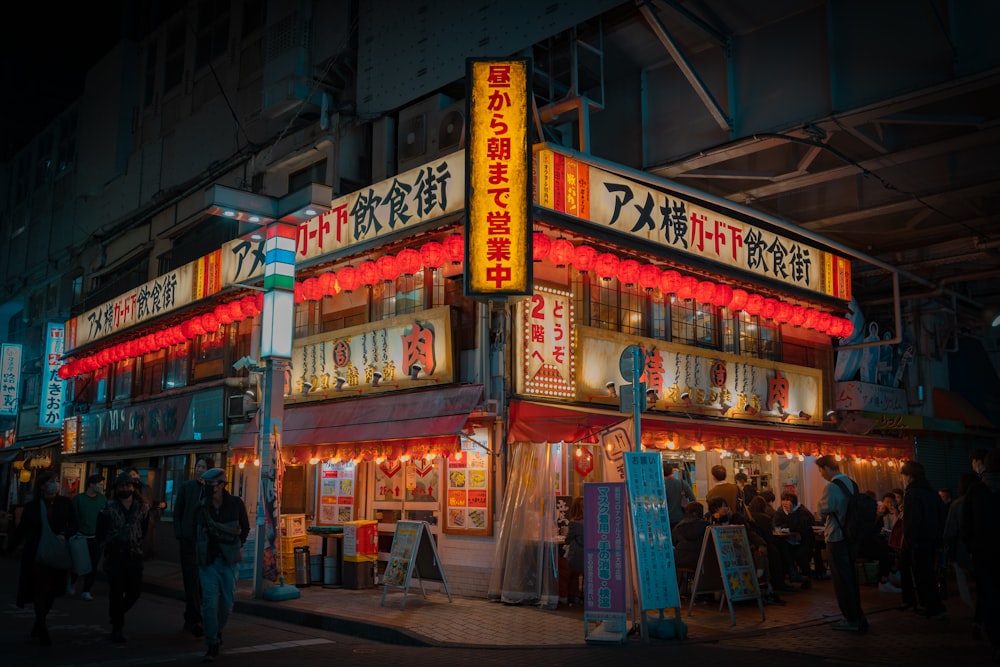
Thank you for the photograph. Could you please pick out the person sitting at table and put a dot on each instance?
(760, 522)
(719, 515)
(688, 536)
(797, 540)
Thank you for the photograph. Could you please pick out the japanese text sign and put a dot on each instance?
(10, 378)
(50, 414)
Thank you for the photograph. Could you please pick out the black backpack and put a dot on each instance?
(861, 523)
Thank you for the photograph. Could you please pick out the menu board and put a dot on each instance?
(467, 481)
(336, 493)
(657, 575)
(726, 565)
(412, 553)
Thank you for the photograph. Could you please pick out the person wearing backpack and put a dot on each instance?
(833, 508)
(923, 535)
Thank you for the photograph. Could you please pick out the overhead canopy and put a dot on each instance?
(545, 422)
(395, 416)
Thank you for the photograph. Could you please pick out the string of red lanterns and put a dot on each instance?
(434, 255)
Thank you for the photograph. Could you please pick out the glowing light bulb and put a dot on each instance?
(243, 464)
(313, 460)
(801, 457)
(767, 458)
(788, 455)
(256, 462)
(839, 457)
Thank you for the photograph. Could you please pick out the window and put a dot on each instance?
(173, 65)
(149, 91)
(66, 149)
(152, 372)
(757, 337)
(175, 372)
(174, 473)
(43, 160)
(124, 370)
(213, 31)
(314, 173)
(406, 294)
(208, 356)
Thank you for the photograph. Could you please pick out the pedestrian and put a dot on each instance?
(39, 584)
(923, 536)
(188, 497)
(156, 508)
(121, 528)
(677, 492)
(840, 553)
(222, 528)
(571, 565)
(980, 510)
(977, 458)
(86, 507)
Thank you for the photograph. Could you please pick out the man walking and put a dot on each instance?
(121, 527)
(222, 528)
(186, 505)
(87, 506)
(833, 509)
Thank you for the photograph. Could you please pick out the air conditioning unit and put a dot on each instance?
(238, 408)
(428, 130)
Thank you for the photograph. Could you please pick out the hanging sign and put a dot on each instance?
(10, 378)
(53, 388)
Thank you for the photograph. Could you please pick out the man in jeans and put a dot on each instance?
(87, 506)
(186, 504)
(833, 509)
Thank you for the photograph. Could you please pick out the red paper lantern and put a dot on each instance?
(367, 273)
(670, 282)
(298, 292)
(64, 372)
(561, 252)
(783, 313)
(823, 321)
(326, 283)
(258, 300)
(223, 314)
(739, 300)
(754, 303)
(649, 277)
(812, 316)
(628, 272)
(455, 247)
(388, 268)
(798, 316)
(540, 246)
(210, 322)
(432, 255)
(348, 278)
(769, 308)
(834, 328)
(584, 257)
(606, 266)
(846, 328)
(688, 286)
(704, 292)
(409, 261)
(723, 295)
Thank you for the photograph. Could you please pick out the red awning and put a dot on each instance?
(545, 422)
(396, 416)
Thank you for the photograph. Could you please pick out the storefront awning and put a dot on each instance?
(952, 405)
(545, 422)
(396, 416)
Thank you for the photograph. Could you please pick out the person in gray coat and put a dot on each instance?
(189, 494)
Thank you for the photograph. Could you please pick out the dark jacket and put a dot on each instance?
(62, 521)
(186, 507)
(980, 510)
(221, 532)
(923, 515)
(122, 530)
(800, 521)
(688, 536)
(574, 545)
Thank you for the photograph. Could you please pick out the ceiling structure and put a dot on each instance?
(905, 178)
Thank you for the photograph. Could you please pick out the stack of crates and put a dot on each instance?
(293, 534)
(360, 553)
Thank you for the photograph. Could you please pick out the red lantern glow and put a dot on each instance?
(210, 322)
(388, 268)
(409, 261)
(649, 277)
(540, 246)
(432, 255)
(739, 301)
(823, 321)
(688, 286)
(846, 328)
(298, 293)
(798, 316)
(723, 295)
(628, 272)
(754, 303)
(326, 284)
(606, 266)
(455, 246)
(64, 371)
(670, 282)
(561, 252)
(348, 278)
(367, 273)
(704, 292)
(784, 312)
(834, 328)
(247, 306)
(769, 308)
(812, 316)
(584, 257)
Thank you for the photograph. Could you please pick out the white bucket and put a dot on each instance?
(331, 576)
(316, 567)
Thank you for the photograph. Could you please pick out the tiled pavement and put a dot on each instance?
(802, 625)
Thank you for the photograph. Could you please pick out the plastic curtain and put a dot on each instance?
(524, 566)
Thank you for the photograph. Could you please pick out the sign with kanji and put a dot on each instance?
(50, 415)
(10, 378)
(548, 344)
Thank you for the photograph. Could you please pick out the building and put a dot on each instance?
(136, 284)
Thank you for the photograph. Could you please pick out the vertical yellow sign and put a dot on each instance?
(498, 199)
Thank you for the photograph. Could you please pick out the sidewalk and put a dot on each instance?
(802, 625)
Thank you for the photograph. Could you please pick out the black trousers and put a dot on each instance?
(124, 586)
(192, 583)
(845, 580)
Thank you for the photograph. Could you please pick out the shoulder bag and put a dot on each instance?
(896, 535)
(52, 549)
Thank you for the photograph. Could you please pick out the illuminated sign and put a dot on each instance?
(498, 206)
(681, 223)
(548, 344)
(10, 378)
(50, 414)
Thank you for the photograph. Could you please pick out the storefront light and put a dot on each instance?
(767, 457)
(256, 462)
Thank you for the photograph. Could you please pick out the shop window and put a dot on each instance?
(406, 294)
(241, 339)
(618, 307)
(757, 337)
(293, 490)
(124, 371)
(334, 320)
(727, 330)
(151, 373)
(303, 318)
(208, 356)
(174, 474)
(175, 373)
(101, 386)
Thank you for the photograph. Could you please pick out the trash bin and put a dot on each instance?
(302, 572)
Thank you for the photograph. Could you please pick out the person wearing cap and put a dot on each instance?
(222, 527)
(186, 504)
(121, 528)
(39, 584)
(87, 506)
